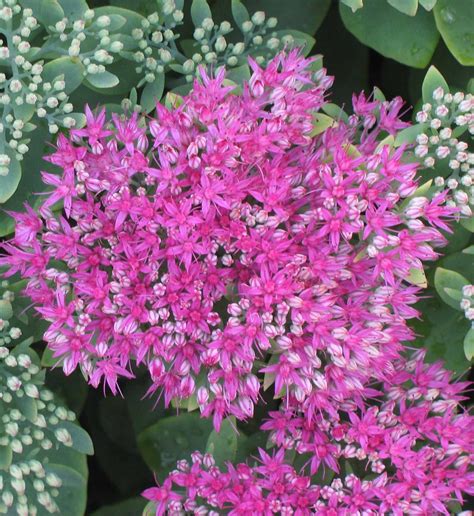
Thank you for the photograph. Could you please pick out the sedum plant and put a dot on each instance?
(442, 139)
(409, 30)
(54, 49)
(42, 461)
(210, 242)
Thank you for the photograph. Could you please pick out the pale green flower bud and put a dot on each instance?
(247, 26)
(199, 34)
(207, 24)
(258, 17)
(238, 48)
(220, 44)
(103, 21)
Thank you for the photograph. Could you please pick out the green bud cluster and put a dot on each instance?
(448, 124)
(31, 424)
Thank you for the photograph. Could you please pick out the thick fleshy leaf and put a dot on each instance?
(9, 183)
(428, 4)
(405, 6)
(449, 286)
(81, 441)
(73, 9)
(433, 79)
(70, 68)
(468, 223)
(411, 40)
(171, 439)
(48, 12)
(6, 456)
(353, 4)
(200, 10)
(6, 310)
(152, 92)
(303, 15)
(441, 331)
(455, 22)
(239, 12)
(462, 262)
(409, 134)
(133, 19)
(103, 80)
(297, 38)
(469, 344)
(223, 445)
(72, 496)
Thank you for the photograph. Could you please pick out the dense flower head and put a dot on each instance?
(408, 451)
(224, 231)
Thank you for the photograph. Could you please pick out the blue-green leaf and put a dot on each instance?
(223, 445)
(81, 441)
(455, 22)
(408, 7)
(469, 344)
(103, 80)
(152, 92)
(239, 12)
(70, 68)
(411, 40)
(9, 183)
(47, 12)
(296, 38)
(353, 4)
(449, 285)
(433, 79)
(171, 439)
(200, 11)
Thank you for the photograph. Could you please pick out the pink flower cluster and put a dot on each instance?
(410, 452)
(203, 240)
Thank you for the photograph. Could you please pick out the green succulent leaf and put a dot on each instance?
(409, 134)
(239, 12)
(70, 69)
(133, 20)
(152, 92)
(297, 39)
(81, 440)
(47, 12)
(411, 40)
(9, 183)
(171, 439)
(6, 457)
(427, 4)
(455, 22)
(103, 80)
(200, 10)
(405, 6)
(441, 331)
(433, 79)
(468, 223)
(73, 9)
(72, 495)
(302, 14)
(469, 344)
(449, 285)
(223, 445)
(6, 309)
(353, 4)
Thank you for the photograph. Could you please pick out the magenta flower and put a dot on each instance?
(201, 240)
